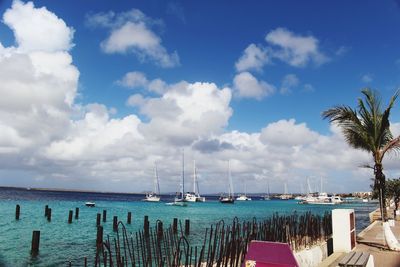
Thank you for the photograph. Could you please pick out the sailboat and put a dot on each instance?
(267, 197)
(155, 195)
(285, 195)
(191, 196)
(196, 191)
(180, 198)
(228, 199)
(244, 197)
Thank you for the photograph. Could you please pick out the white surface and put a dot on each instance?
(390, 238)
(341, 230)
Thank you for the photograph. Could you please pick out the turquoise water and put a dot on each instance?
(61, 242)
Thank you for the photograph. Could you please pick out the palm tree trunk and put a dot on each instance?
(381, 179)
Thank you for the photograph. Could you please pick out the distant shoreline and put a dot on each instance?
(66, 190)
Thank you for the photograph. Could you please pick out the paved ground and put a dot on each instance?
(371, 240)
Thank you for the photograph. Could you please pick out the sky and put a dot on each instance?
(95, 93)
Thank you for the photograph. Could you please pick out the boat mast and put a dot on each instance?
(230, 180)
(183, 173)
(156, 180)
(194, 177)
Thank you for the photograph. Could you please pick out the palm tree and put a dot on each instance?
(368, 128)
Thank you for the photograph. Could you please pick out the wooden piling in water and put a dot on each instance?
(76, 213)
(129, 219)
(99, 237)
(70, 216)
(46, 210)
(98, 219)
(175, 226)
(115, 224)
(187, 227)
(85, 262)
(35, 242)
(17, 211)
(104, 215)
(49, 214)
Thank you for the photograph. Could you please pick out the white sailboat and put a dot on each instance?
(228, 199)
(155, 195)
(196, 189)
(193, 196)
(244, 197)
(180, 199)
(267, 197)
(286, 195)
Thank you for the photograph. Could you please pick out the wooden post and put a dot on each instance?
(129, 217)
(76, 213)
(70, 216)
(115, 224)
(99, 238)
(35, 242)
(146, 226)
(17, 210)
(49, 214)
(85, 262)
(98, 218)
(104, 215)
(46, 210)
(160, 230)
(187, 227)
(175, 226)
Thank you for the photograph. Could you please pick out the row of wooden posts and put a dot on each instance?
(99, 238)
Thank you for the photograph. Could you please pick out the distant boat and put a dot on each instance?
(194, 196)
(180, 197)
(285, 195)
(244, 197)
(90, 204)
(228, 199)
(267, 196)
(155, 195)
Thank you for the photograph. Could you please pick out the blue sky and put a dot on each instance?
(283, 61)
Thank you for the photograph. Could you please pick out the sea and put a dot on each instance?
(61, 242)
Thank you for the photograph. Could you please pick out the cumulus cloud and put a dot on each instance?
(247, 86)
(294, 49)
(137, 79)
(131, 32)
(37, 29)
(38, 78)
(178, 116)
(254, 57)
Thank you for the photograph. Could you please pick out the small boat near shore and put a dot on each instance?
(229, 199)
(155, 195)
(90, 204)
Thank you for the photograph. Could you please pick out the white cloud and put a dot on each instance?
(296, 50)
(254, 57)
(136, 79)
(288, 133)
(130, 32)
(289, 82)
(247, 86)
(37, 29)
(367, 78)
(178, 116)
